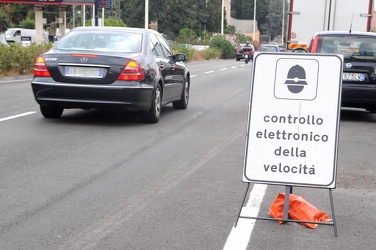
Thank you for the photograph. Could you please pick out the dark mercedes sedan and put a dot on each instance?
(359, 72)
(111, 67)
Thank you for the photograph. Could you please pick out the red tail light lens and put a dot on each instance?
(132, 72)
(314, 44)
(40, 68)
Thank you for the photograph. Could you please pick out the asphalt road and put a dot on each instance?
(105, 180)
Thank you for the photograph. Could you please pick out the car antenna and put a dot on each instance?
(352, 17)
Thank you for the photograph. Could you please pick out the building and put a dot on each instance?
(244, 27)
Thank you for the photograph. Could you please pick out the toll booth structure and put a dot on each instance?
(61, 20)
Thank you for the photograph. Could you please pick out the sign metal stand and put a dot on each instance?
(288, 191)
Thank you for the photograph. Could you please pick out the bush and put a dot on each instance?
(183, 50)
(211, 53)
(219, 42)
(18, 60)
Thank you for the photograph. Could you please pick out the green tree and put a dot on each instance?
(4, 21)
(109, 22)
(28, 24)
(223, 45)
(187, 35)
(273, 24)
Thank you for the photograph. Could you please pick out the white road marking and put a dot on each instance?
(193, 76)
(234, 67)
(208, 72)
(241, 234)
(17, 116)
(224, 69)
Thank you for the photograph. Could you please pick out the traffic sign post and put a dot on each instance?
(293, 121)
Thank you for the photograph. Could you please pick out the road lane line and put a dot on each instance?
(208, 72)
(17, 116)
(240, 236)
(223, 69)
(193, 76)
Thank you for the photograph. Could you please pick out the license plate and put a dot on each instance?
(246, 56)
(353, 77)
(84, 72)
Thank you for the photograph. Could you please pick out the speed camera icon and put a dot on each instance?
(296, 79)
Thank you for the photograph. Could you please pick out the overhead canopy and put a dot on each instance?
(66, 2)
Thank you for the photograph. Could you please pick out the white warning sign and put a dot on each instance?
(293, 121)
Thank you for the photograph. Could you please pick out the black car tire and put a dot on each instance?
(152, 116)
(237, 59)
(51, 111)
(183, 102)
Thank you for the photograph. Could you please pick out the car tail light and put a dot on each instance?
(315, 42)
(40, 68)
(132, 72)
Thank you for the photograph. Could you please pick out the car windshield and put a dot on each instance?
(105, 41)
(10, 32)
(269, 48)
(356, 48)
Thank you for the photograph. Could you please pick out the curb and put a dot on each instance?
(13, 78)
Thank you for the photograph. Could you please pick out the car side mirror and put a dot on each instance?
(180, 57)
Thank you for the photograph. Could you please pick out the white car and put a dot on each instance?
(2, 40)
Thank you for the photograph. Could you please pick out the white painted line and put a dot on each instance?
(240, 236)
(17, 116)
(224, 69)
(233, 67)
(209, 72)
(193, 76)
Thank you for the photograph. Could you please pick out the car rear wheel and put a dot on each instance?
(152, 116)
(183, 102)
(51, 111)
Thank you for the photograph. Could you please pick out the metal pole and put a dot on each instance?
(222, 17)
(96, 12)
(283, 22)
(83, 15)
(74, 16)
(254, 20)
(146, 14)
(102, 24)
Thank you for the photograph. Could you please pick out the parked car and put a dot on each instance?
(359, 71)
(240, 53)
(2, 40)
(200, 47)
(111, 67)
(270, 48)
(186, 45)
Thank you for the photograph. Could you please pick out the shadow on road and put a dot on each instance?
(357, 115)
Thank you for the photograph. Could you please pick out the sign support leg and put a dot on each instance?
(333, 215)
(240, 210)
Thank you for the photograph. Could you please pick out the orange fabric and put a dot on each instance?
(299, 209)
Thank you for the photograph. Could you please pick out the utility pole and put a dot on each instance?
(146, 14)
(254, 20)
(222, 17)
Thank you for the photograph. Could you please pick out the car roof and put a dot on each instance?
(111, 28)
(363, 33)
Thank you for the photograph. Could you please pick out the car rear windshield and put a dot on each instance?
(105, 41)
(356, 48)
